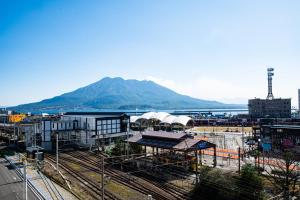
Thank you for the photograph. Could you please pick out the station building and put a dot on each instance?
(88, 129)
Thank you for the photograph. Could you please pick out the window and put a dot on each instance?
(109, 126)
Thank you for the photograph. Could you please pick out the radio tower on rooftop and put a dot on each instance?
(270, 74)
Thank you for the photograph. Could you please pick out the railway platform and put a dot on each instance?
(41, 185)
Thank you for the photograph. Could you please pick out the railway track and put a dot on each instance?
(177, 192)
(159, 182)
(122, 178)
(146, 185)
(92, 187)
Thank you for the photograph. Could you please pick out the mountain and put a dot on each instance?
(117, 93)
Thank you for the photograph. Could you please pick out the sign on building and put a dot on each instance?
(16, 118)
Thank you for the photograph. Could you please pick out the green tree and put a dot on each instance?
(249, 183)
(214, 184)
(135, 149)
(118, 149)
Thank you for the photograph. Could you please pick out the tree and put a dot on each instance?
(218, 184)
(282, 171)
(249, 183)
(214, 184)
(118, 149)
(135, 149)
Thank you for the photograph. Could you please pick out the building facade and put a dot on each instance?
(269, 108)
(280, 137)
(81, 128)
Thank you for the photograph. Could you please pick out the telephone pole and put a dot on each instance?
(102, 177)
(57, 151)
(25, 180)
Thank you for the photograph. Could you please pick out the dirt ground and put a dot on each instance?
(222, 129)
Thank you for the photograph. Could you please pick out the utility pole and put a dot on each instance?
(35, 135)
(224, 141)
(196, 154)
(239, 157)
(102, 177)
(243, 141)
(127, 134)
(57, 151)
(258, 152)
(263, 155)
(14, 133)
(25, 180)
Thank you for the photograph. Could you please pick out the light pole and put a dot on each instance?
(102, 177)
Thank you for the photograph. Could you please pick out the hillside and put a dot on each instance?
(117, 93)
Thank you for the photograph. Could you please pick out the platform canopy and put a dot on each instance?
(168, 140)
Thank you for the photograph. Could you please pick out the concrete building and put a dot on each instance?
(88, 129)
(270, 107)
(102, 127)
(273, 108)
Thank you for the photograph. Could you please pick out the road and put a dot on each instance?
(11, 185)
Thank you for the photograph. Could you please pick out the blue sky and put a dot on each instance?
(207, 49)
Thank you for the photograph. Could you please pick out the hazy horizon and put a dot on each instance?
(213, 50)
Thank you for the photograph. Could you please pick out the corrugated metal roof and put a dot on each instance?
(186, 144)
(155, 140)
(163, 134)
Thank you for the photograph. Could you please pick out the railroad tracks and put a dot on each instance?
(155, 185)
(117, 176)
(144, 183)
(89, 185)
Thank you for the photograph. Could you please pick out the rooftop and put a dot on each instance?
(163, 134)
(94, 113)
(167, 140)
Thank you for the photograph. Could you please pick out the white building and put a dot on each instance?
(82, 128)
